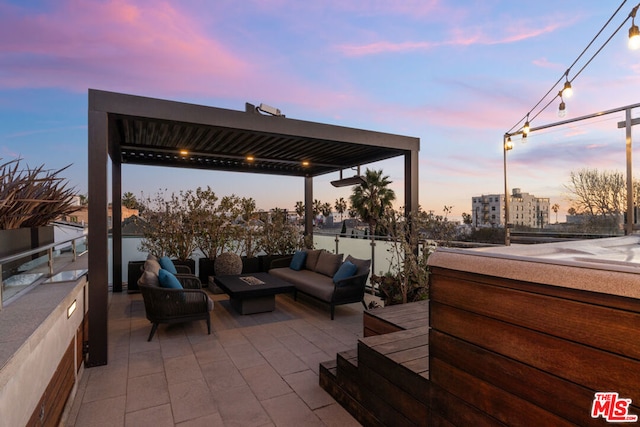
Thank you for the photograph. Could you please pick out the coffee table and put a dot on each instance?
(249, 298)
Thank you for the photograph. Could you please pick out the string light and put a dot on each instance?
(508, 145)
(567, 90)
(634, 31)
(526, 128)
(562, 109)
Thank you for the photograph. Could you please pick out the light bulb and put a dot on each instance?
(525, 128)
(567, 91)
(562, 110)
(508, 145)
(634, 37)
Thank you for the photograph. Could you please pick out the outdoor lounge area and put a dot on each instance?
(253, 370)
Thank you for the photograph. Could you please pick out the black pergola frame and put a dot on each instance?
(139, 130)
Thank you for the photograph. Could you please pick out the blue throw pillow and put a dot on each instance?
(298, 260)
(168, 280)
(167, 264)
(347, 269)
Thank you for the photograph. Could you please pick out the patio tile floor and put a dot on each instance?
(254, 370)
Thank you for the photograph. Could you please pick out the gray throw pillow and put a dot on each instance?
(152, 266)
(363, 264)
(328, 263)
(149, 279)
(312, 259)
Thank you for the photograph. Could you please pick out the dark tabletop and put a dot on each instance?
(235, 287)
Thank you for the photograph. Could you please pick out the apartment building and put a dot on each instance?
(525, 210)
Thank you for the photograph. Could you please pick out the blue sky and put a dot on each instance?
(456, 74)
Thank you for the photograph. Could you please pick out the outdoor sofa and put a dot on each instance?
(324, 276)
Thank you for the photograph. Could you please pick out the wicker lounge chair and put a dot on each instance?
(163, 305)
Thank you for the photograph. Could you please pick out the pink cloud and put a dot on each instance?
(545, 63)
(114, 43)
(461, 36)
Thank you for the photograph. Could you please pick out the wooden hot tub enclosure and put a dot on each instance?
(524, 335)
(539, 335)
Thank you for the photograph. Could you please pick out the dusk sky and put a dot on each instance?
(456, 74)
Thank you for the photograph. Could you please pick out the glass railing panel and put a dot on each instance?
(23, 271)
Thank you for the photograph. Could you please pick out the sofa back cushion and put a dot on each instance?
(297, 262)
(363, 264)
(328, 263)
(312, 259)
(346, 270)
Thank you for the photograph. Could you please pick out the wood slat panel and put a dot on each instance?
(505, 407)
(377, 382)
(455, 411)
(49, 410)
(601, 327)
(593, 368)
(563, 398)
(595, 298)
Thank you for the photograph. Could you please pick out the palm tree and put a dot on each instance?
(129, 200)
(555, 208)
(300, 209)
(325, 208)
(317, 208)
(341, 208)
(372, 198)
(341, 205)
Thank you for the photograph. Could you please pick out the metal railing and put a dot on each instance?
(27, 275)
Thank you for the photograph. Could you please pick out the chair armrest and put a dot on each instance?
(353, 282)
(165, 302)
(281, 262)
(183, 269)
(351, 288)
(189, 281)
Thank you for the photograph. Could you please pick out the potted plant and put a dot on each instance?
(279, 238)
(407, 277)
(30, 199)
(215, 229)
(248, 228)
(169, 228)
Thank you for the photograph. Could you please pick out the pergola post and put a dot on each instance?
(98, 237)
(116, 218)
(411, 164)
(308, 206)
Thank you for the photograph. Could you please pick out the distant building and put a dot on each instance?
(525, 210)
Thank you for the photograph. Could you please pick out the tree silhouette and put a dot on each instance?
(372, 198)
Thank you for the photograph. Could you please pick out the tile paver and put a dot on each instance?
(256, 370)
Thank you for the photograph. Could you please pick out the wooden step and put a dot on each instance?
(385, 380)
(330, 383)
(396, 366)
(395, 318)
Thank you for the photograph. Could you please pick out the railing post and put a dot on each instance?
(73, 249)
(337, 242)
(373, 255)
(50, 253)
(1, 288)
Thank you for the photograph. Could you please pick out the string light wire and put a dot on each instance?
(529, 117)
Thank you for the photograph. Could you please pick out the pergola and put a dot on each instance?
(147, 131)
